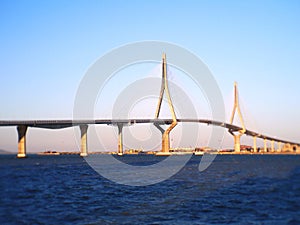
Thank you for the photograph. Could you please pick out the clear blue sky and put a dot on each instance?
(47, 46)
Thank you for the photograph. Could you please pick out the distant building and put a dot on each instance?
(246, 148)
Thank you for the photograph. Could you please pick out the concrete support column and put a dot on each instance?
(254, 144)
(165, 143)
(272, 146)
(237, 143)
(265, 145)
(83, 142)
(21, 141)
(166, 140)
(279, 146)
(287, 147)
(297, 149)
(120, 139)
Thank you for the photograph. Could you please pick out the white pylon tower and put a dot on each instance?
(165, 89)
(236, 108)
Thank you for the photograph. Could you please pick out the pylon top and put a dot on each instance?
(236, 107)
(164, 88)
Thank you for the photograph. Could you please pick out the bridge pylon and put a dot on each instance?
(165, 89)
(236, 108)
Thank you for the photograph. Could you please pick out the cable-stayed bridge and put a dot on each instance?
(22, 126)
(234, 130)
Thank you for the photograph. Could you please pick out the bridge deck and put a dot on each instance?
(59, 124)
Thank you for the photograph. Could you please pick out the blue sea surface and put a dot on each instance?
(235, 189)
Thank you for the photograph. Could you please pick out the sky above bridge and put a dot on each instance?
(47, 47)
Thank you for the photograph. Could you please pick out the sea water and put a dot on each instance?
(235, 189)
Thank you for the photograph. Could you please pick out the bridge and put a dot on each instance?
(234, 130)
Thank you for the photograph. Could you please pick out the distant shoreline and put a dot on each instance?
(155, 153)
(4, 152)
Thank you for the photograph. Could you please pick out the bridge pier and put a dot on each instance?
(120, 138)
(165, 143)
(237, 143)
(254, 144)
(289, 147)
(83, 142)
(272, 146)
(279, 146)
(265, 145)
(21, 141)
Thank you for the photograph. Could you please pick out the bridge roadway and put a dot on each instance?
(59, 124)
